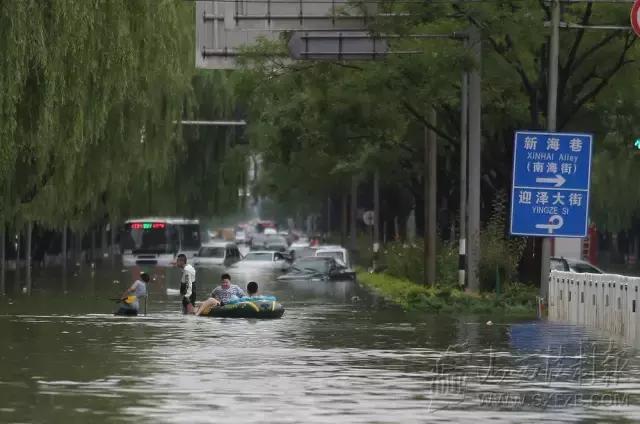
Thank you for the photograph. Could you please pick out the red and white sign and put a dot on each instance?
(635, 17)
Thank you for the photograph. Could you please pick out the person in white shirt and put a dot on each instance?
(187, 284)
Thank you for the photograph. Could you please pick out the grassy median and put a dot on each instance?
(517, 298)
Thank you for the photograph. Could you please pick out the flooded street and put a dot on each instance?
(337, 355)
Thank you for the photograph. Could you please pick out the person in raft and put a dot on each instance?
(252, 289)
(220, 295)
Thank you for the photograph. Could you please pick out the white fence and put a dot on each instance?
(604, 301)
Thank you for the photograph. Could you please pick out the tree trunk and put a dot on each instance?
(112, 249)
(18, 242)
(353, 212)
(344, 220)
(28, 256)
(65, 259)
(93, 244)
(328, 215)
(3, 232)
(431, 168)
(103, 242)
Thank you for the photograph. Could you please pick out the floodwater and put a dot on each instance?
(337, 355)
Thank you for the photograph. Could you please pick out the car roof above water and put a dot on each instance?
(218, 243)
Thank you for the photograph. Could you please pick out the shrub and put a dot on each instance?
(406, 261)
(499, 252)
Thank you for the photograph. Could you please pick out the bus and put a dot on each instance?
(157, 241)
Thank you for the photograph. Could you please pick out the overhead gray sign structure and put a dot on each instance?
(224, 26)
(324, 45)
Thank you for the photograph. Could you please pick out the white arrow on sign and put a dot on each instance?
(555, 222)
(558, 180)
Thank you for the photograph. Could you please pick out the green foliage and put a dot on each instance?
(413, 297)
(499, 253)
(406, 261)
(318, 123)
(91, 93)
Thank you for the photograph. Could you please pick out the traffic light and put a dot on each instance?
(637, 143)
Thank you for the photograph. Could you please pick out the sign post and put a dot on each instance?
(551, 180)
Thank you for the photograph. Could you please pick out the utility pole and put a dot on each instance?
(552, 107)
(432, 194)
(475, 137)
(464, 116)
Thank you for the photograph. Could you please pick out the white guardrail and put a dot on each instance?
(604, 301)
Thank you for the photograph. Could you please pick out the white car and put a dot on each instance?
(220, 253)
(270, 232)
(265, 259)
(241, 236)
(337, 252)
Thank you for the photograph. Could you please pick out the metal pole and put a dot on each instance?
(552, 106)
(464, 117)
(475, 134)
(431, 228)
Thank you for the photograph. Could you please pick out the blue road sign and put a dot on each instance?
(551, 180)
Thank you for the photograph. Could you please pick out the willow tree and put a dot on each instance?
(93, 90)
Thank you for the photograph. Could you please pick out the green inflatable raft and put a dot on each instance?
(255, 309)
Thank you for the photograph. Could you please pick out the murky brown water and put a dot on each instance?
(64, 358)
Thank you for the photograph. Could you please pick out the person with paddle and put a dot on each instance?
(130, 304)
(187, 284)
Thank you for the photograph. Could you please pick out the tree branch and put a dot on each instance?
(604, 80)
(409, 107)
(565, 70)
(578, 62)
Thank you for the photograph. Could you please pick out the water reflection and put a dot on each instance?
(329, 359)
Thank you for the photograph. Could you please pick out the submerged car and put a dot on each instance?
(574, 265)
(274, 243)
(265, 259)
(318, 268)
(217, 253)
(337, 252)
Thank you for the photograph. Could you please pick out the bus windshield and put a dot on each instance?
(161, 237)
(148, 238)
